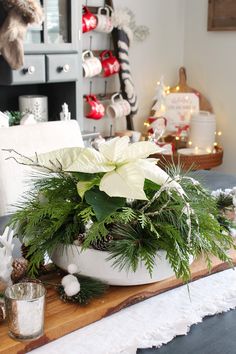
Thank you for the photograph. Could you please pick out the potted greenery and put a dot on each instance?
(118, 215)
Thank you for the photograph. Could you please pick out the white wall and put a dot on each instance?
(210, 61)
(161, 53)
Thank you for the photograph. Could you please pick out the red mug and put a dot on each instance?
(89, 20)
(110, 63)
(94, 109)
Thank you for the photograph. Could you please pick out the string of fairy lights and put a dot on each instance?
(159, 110)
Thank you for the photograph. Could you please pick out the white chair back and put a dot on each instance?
(28, 139)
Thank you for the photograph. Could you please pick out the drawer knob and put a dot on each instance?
(30, 70)
(65, 68)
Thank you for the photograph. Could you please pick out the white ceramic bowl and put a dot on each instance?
(93, 263)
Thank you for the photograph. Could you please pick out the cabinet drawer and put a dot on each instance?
(33, 71)
(62, 67)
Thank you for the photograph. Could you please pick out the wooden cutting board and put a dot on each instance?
(182, 87)
(62, 318)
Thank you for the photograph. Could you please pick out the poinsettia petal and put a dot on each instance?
(114, 149)
(155, 174)
(126, 181)
(90, 161)
(58, 159)
(141, 150)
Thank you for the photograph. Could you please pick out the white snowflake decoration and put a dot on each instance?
(6, 258)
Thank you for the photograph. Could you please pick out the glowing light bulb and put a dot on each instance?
(177, 138)
(168, 92)
(215, 144)
(219, 133)
(177, 88)
(190, 143)
(158, 83)
(208, 151)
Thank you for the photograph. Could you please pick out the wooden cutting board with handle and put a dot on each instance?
(182, 87)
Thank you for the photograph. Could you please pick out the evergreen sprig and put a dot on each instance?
(131, 245)
(49, 216)
(90, 288)
(166, 226)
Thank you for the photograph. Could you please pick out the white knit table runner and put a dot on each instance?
(152, 322)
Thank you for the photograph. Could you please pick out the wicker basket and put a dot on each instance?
(193, 162)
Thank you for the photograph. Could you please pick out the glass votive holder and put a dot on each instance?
(25, 307)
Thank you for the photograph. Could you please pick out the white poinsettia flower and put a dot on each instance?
(125, 165)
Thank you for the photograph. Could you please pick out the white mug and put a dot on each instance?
(91, 65)
(136, 135)
(119, 107)
(104, 22)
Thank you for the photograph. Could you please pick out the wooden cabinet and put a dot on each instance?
(62, 67)
(52, 61)
(33, 71)
(59, 31)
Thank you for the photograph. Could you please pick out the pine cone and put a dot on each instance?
(19, 266)
(24, 250)
(79, 240)
(102, 245)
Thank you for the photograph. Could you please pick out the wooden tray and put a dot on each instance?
(193, 162)
(62, 318)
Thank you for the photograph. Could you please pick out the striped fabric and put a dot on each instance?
(127, 83)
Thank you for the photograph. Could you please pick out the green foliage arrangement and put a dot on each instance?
(181, 218)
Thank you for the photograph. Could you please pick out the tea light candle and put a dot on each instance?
(25, 310)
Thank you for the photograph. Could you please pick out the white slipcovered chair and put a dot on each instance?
(28, 139)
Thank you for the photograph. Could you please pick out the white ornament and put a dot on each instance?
(72, 268)
(234, 201)
(68, 279)
(28, 119)
(233, 232)
(228, 191)
(72, 288)
(65, 114)
(6, 259)
(159, 106)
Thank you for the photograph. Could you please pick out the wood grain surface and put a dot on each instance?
(191, 162)
(221, 15)
(62, 318)
(183, 87)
